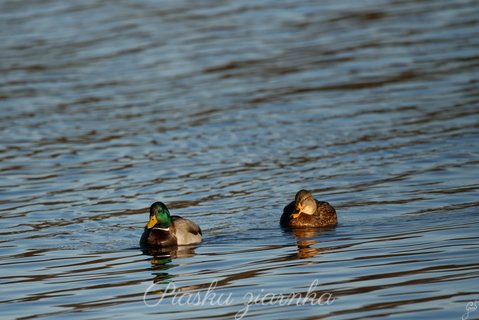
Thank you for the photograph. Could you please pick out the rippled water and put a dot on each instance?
(223, 110)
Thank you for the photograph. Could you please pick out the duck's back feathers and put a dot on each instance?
(187, 232)
(286, 216)
(324, 216)
(180, 232)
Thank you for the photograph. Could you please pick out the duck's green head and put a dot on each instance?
(159, 216)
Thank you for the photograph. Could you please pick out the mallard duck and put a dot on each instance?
(305, 211)
(163, 230)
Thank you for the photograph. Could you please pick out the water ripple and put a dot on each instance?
(223, 110)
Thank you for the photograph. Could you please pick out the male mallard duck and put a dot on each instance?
(305, 211)
(163, 230)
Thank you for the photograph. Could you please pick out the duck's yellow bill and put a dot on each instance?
(153, 221)
(297, 213)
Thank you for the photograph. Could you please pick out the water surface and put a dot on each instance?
(223, 110)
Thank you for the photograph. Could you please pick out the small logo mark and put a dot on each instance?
(470, 308)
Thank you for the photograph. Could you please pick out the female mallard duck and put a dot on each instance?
(163, 230)
(305, 211)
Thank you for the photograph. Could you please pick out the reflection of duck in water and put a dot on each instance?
(166, 254)
(162, 260)
(163, 230)
(305, 211)
(305, 240)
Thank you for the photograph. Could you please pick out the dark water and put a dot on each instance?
(224, 110)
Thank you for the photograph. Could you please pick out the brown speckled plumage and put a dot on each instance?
(324, 216)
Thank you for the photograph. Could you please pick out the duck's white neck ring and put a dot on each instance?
(162, 229)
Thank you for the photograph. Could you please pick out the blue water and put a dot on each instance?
(223, 110)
